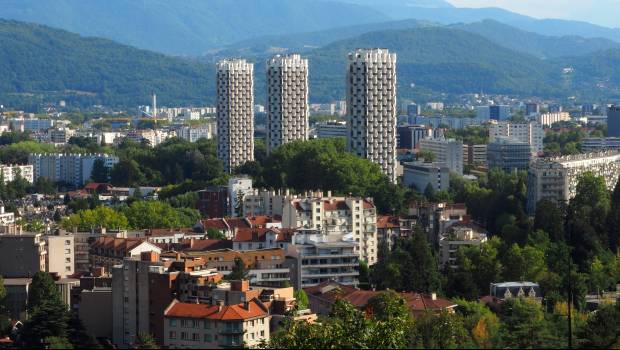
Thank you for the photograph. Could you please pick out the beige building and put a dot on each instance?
(456, 237)
(60, 255)
(548, 119)
(531, 133)
(201, 326)
(11, 172)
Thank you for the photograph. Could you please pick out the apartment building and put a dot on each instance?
(195, 133)
(287, 100)
(409, 136)
(531, 133)
(458, 235)
(548, 119)
(235, 113)
(110, 251)
(316, 257)
(372, 109)
(331, 128)
(74, 169)
(556, 179)
(475, 155)
(597, 144)
(613, 121)
(238, 187)
(11, 172)
(200, 326)
(22, 255)
(60, 258)
(448, 152)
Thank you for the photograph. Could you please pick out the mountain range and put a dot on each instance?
(195, 27)
(39, 63)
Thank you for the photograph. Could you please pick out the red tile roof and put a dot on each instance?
(252, 234)
(262, 220)
(213, 312)
(385, 222)
(218, 224)
(202, 245)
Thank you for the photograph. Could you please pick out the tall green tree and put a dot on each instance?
(524, 325)
(238, 272)
(100, 172)
(145, 341)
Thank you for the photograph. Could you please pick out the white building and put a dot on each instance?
(74, 169)
(195, 133)
(556, 179)
(548, 119)
(371, 102)
(235, 112)
(447, 151)
(60, 257)
(238, 187)
(593, 144)
(531, 133)
(11, 172)
(287, 100)
(324, 257)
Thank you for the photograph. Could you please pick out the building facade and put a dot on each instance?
(22, 255)
(531, 133)
(371, 103)
(613, 121)
(11, 172)
(509, 154)
(235, 112)
(74, 169)
(287, 100)
(61, 255)
(420, 175)
(548, 119)
(448, 152)
(556, 179)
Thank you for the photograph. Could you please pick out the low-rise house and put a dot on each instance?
(323, 296)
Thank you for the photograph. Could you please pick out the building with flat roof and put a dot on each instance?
(457, 236)
(420, 175)
(448, 152)
(509, 154)
(22, 255)
(613, 121)
(531, 133)
(555, 179)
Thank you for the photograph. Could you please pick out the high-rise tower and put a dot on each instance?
(287, 100)
(235, 113)
(371, 104)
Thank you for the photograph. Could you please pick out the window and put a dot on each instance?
(208, 338)
(172, 335)
(195, 337)
(68, 242)
(67, 260)
(67, 251)
(207, 324)
(183, 336)
(262, 333)
(67, 268)
(172, 322)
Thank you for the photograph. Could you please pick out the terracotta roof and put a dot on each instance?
(335, 205)
(332, 291)
(368, 205)
(385, 221)
(252, 234)
(238, 223)
(168, 231)
(213, 312)
(218, 224)
(201, 245)
(116, 244)
(262, 220)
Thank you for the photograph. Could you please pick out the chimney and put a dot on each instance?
(246, 305)
(329, 194)
(178, 256)
(433, 296)
(191, 243)
(240, 286)
(220, 305)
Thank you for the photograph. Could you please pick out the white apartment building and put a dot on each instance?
(420, 175)
(61, 255)
(372, 109)
(531, 133)
(287, 100)
(593, 144)
(556, 179)
(60, 135)
(11, 172)
(326, 214)
(323, 257)
(195, 133)
(235, 113)
(448, 152)
(548, 119)
(74, 169)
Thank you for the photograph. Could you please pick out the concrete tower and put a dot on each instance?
(287, 100)
(235, 113)
(371, 104)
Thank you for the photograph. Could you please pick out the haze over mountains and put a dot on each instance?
(193, 27)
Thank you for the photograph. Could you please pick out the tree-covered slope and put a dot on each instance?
(39, 59)
(188, 26)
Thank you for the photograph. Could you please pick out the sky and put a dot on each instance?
(601, 12)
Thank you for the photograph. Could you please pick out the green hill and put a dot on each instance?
(41, 64)
(54, 63)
